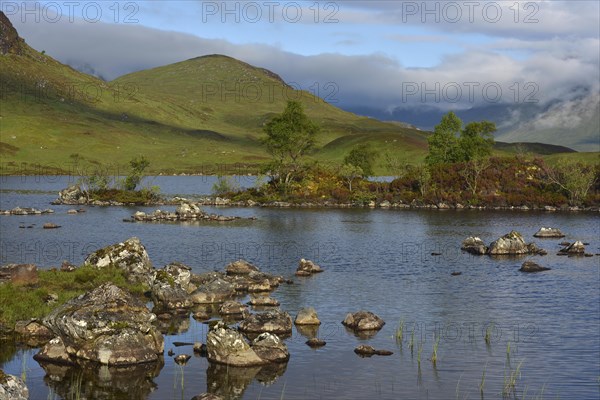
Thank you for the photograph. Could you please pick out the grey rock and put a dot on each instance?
(307, 316)
(363, 321)
(130, 256)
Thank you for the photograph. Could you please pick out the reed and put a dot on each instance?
(434, 355)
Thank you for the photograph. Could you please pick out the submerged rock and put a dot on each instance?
(130, 256)
(363, 321)
(108, 326)
(530, 266)
(549, 233)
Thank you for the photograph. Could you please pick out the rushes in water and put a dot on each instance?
(400, 333)
(434, 356)
(507, 349)
(419, 353)
(411, 344)
(488, 334)
(510, 380)
(482, 383)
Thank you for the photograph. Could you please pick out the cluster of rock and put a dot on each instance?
(184, 212)
(26, 211)
(512, 243)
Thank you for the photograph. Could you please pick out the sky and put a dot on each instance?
(380, 54)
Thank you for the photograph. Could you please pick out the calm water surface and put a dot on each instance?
(378, 260)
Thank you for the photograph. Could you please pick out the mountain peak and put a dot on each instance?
(10, 42)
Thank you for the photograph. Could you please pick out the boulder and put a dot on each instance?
(315, 342)
(577, 248)
(270, 347)
(12, 388)
(512, 244)
(275, 321)
(263, 301)
(307, 316)
(130, 256)
(216, 290)
(225, 345)
(72, 195)
(231, 307)
(474, 245)
(240, 267)
(368, 351)
(363, 321)
(55, 352)
(549, 233)
(530, 266)
(19, 274)
(107, 325)
(67, 266)
(307, 268)
(166, 289)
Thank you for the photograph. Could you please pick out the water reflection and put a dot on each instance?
(231, 382)
(98, 382)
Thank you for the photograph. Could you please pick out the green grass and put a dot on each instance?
(24, 302)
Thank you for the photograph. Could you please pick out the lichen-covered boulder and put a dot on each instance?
(130, 256)
(225, 345)
(232, 307)
(240, 267)
(270, 348)
(512, 244)
(216, 290)
(549, 233)
(12, 388)
(307, 316)
(107, 325)
(72, 195)
(169, 287)
(474, 245)
(276, 321)
(363, 321)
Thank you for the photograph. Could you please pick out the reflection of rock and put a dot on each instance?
(549, 233)
(308, 331)
(107, 325)
(307, 268)
(270, 348)
(362, 335)
(130, 256)
(21, 274)
(231, 382)
(474, 245)
(93, 381)
(363, 321)
(530, 266)
(307, 316)
(275, 321)
(179, 323)
(12, 388)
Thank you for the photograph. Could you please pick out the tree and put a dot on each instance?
(472, 172)
(289, 136)
(450, 143)
(138, 165)
(574, 178)
(363, 157)
(476, 140)
(443, 143)
(349, 173)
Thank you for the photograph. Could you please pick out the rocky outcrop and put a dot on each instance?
(275, 321)
(270, 347)
(530, 266)
(368, 351)
(512, 244)
(363, 321)
(185, 212)
(11, 387)
(225, 345)
(575, 249)
(474, 245)
(130, 256)
(307, 268)
(307, 316)
(72, 195)
(19, 274)
(549, 233)
(108, 326)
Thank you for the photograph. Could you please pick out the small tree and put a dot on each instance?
(138, 165)
(289, 136)
(443, 143)
(477, 140)
(574, 178)
(224, 185)
(363, 157)
(394, 165)
(472, 172)
(349, 173)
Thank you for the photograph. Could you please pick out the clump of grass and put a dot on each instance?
(20, 302)
(400, 333)
(434, 355)
(510, 380)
